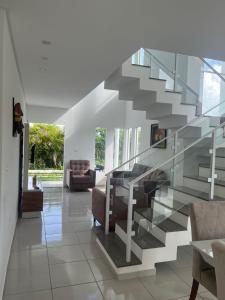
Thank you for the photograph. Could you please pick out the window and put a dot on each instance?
(213, 91)
(137, 142)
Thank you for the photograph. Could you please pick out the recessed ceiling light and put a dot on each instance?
(44, 42)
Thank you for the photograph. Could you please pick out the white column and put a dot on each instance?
(116, 147)
(26, 156)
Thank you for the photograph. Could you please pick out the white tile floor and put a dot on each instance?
(56, 257)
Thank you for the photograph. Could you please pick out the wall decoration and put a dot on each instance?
(158, 134)
(17, 118)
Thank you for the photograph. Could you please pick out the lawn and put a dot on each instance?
(47, 175)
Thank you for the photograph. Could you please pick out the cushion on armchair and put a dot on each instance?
(80, 176)
(79, 167)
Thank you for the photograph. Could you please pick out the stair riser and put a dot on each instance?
(179, 238)
(205, 172)
(149, 84)
(172, 121)
(185, 198)
(126, 272)
(190, 132)
(145, 101)
(162, 254)
(204, 143)
(204, 187)
(134, 247)
(128, 91)
(150, 256)
(159, 111)
(175, 216)
(157, 232)
(220, 162)
(134, 71)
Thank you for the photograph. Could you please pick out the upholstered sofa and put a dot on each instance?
(158, 176)
(150, 182)
(79, 176)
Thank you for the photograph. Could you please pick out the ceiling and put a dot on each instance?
(90, 38)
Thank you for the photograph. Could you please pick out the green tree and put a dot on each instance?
(100, 146)
(49, 146)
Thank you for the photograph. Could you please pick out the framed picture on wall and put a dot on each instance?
(158, 134)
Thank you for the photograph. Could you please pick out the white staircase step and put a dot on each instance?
(205, 143)
(116, 81)
(188, 195)
(190, 132)
(128, 93)
(147, 247)
(160, 110)
(204, 171)
(142, 237)
(202, 184)
(172, 121)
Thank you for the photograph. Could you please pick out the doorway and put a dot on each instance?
(46, 146)
(100, 142)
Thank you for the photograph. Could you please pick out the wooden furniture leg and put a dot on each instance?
(194, 289)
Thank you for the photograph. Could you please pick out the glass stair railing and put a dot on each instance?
(199, 80)
(151, 183)
(158, 197)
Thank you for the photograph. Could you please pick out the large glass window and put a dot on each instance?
(213, 91)
(100, 138)
(118, 147)
(137, 142)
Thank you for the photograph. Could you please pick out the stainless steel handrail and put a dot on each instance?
(174, 156)
(166, 138)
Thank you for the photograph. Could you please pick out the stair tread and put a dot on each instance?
(176, 206)
(204, 179)
(166, 225)
(208, 166)
(142, 237)
(116, 249)
(195, 193)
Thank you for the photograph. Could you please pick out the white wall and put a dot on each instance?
(43, 114)
(9, 151)
(100, 108)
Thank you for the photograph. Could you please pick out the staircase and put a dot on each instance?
(150, 95)
(195, 169)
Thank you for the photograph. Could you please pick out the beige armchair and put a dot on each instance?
(219, 259)
(207, 223)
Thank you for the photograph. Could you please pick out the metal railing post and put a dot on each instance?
(212, 177)
(130, 232)
(175, 73)
(174, 153)
(150, 64)
(107, 207)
